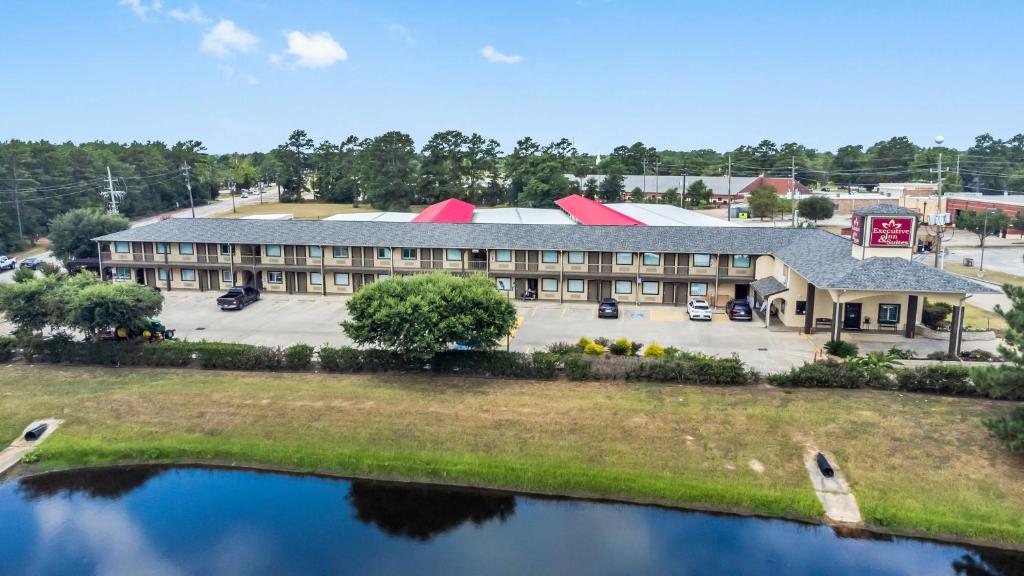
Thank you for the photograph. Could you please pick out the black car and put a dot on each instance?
(238, 297)
(608, 308)
(32, 263)
(739, 310)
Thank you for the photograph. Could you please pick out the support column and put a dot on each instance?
(956, 330)
(231, 263)
(910, 326)
(809, 310)
(99, 261)
(837, 326)
(323, 275)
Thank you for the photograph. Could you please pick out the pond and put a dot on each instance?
(165, 521)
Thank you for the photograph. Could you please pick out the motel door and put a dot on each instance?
(851, 316)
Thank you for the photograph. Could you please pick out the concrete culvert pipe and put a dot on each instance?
(824, 466)
(36, 433)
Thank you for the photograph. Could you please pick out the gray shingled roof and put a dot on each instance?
(822, 257)
(887, 209)
(768, 286)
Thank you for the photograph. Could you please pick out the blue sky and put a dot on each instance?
(240, 75)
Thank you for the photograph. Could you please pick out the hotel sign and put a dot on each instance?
(890, 231)
(857, 230)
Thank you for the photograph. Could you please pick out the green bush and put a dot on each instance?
(901, 353)
(8, 345)
(691, 368)
(298, 356)
(940, 355)
(938, 379)
(822, 375)
(602, 341)
(654, 351)
(166, 354)
(635, 348)
(583, 342)
(230, 356)
(342, 359)
(620, 347)
(841, 348)
(578, 367)
(1008, 429)
(934, 314)
(979, 356)
(562, 349)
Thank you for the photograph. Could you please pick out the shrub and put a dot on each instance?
(298, 356)
(344, 359)
(691, 368)
(602, 341)
(940, 355)
(937, 379)
(24, 275)
(578, 367)
(841, 348)
(166, 354)
(583, 342)
(620, 347)
(594, 349)
(230, 356)
(8, 345)
(901, 353)
(562, 349)
(822, 375)
(1008, 429)
(635, 348)
(654, 351)
(934, 314)
(979, 356)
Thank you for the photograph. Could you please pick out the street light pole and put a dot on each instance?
(984, 236)
(940, 219)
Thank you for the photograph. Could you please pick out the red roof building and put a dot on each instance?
(781, 186)
(450, 211)
(591, 213)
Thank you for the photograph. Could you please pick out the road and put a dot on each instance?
(204, 211)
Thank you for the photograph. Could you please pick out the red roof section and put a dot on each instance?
(591, 213)
(781, 185)
(450, 211)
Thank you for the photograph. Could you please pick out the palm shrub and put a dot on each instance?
(620, 347)
(654, 351)
(841, 348)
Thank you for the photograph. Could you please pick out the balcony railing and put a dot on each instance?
(249, 260)
(526, 266)
(600, 268)
(294, 260)
(676, 271)
(431, 264)
(209, 259)
(144, 257)
(476, 265)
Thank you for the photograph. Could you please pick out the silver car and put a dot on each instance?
(698, 310)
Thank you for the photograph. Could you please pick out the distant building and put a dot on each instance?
(1010, 204)
(903, 189)
(723, 189)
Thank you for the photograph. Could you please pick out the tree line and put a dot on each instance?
(40, 180)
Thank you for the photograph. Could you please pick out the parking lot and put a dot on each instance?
(278, 320)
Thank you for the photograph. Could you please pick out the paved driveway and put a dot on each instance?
(279, 320)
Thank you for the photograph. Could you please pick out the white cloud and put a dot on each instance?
(403, 33)
(492, 55)
(225, 38)
(193, 14)
(140, 8)
(252, 80)
(315, 50)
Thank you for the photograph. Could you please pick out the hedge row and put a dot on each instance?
(689, 368)
(469, 362)
(948, 379)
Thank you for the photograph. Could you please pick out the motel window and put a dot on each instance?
(549, 256)
(623, 287)
(316, 278)
(188, 275)
(162, 248)
(502, 255)
(574, 286)
(408, 253)
(384, 253)
(315, 251)
(274, 277)
(741, 261)
(650, 288)
(163, 274)
(624, 258)
(652, 259)
(698, 289)
(339, 251)
(272, 250)
(225, 276)
(341, 278)
(801, 308)
(186, 248)
(888, 313)
(225, 249)
(121, 247)
(504, 284)
(453, 255)
(123, 273)
(702, 260)
(576, 258)
(549, 284)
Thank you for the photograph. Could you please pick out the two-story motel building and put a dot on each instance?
(812, 279)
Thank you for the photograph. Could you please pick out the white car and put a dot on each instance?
(698, 310)
(245, 194)
(7, 263)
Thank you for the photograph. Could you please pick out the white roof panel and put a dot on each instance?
(666, 215)
(520, 216)
(374, 217)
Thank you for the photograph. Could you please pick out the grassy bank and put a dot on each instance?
(916, 463)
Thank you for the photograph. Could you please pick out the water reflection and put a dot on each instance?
(422, 512)
(986, 562)
(106, 483)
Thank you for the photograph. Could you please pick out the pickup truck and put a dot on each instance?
(238, 297)
(7, 263)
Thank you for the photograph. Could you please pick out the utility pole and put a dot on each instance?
(683, 195)
(111, 192)
(644, 179)
(17, 202)
(940, 217)
(792, 187)
(728, 198)
(657, 174)
(188, 184)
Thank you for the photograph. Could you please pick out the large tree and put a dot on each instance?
(764, 201)
(698, 193)
(293, 162)
(337, 170)
(983, 223)
(100, 306)
(1007, 379)
(72, 232)
(424, 314)
(387, 169)
(816, 208)
(612, 186)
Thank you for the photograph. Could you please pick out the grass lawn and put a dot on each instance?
(42, 245)
(916, 463)
(301, 210)
(990, 275)
(976, 317)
